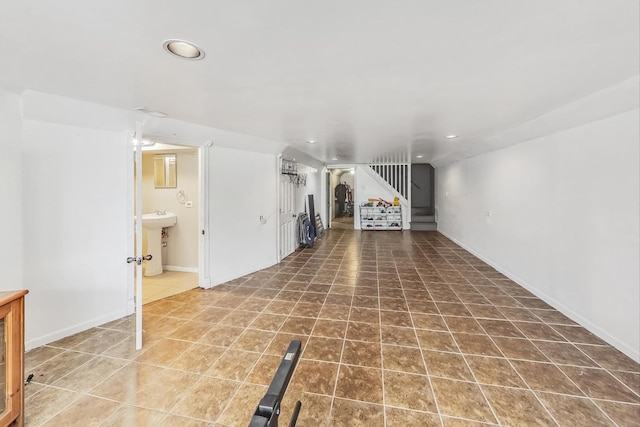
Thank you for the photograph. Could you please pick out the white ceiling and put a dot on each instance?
(367, 79)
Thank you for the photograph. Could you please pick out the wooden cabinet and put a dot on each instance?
(12, 358)
(380, 217)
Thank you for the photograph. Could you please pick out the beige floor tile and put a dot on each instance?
(87, 411)
(234, 365)
(59, 366)
(462, 399)
(406, 418)
(90, 374)
(366, 307)
(360, 383)
(39, 355)
(46, 403)
(574, 411)
(163, 352)
(408, 391)
(133, 416)
(219, 393)
(347, 413)
(242, 406)
(315, 377)
(516, 407)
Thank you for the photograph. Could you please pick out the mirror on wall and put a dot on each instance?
(164, 171)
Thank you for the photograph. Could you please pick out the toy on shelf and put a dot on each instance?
(372, 202)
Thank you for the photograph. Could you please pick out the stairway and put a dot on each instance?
(421, 221)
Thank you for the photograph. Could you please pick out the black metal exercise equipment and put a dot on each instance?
(268, 410)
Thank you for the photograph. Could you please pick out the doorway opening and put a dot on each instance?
(342, 192)
(170, 186)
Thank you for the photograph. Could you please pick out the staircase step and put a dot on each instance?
(423, 218)
(421, 211)
(424, 226)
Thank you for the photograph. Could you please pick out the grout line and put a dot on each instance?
(441, 257)
(495, 415)
(424, 362)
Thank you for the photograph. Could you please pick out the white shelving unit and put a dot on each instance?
(380, 218)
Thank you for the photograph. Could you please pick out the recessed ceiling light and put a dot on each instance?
(183, 49)
(451, 136)
(311, 141)
(419, 156)
(334, 158)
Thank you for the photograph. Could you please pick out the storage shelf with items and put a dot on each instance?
(380, 215)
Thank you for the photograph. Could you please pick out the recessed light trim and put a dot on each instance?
(183, 49)
(334, 158)
(151, 112)
(419, 156)
(450, 136)
(311, 141)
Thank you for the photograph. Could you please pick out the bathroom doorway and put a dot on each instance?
(170, 186)
(342, 194)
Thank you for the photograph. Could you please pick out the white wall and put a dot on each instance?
(242, 188)
(11, 190)
(181, 252)
(564, 220)
(314, 181)
(67, 171)
(75, 228)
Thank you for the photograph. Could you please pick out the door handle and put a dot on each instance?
(138, 260)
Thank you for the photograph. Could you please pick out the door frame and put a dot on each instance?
(331, 190)
(204, 241)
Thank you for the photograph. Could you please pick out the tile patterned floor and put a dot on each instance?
(398, 329)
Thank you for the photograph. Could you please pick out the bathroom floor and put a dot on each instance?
(398, 329)
(167, 284)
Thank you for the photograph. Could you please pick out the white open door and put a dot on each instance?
(137, 258)
(288, 239)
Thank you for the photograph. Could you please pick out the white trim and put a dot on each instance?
(204, 240)
(278, 210)
(553, 302)
(131, 214)
(183, 269)
(137, 142)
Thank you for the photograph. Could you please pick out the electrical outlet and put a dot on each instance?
(188, 204)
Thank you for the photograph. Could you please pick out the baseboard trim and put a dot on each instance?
(623, 347)
(54, 336)
(182, 269)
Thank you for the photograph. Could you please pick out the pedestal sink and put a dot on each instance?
(153, 223)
